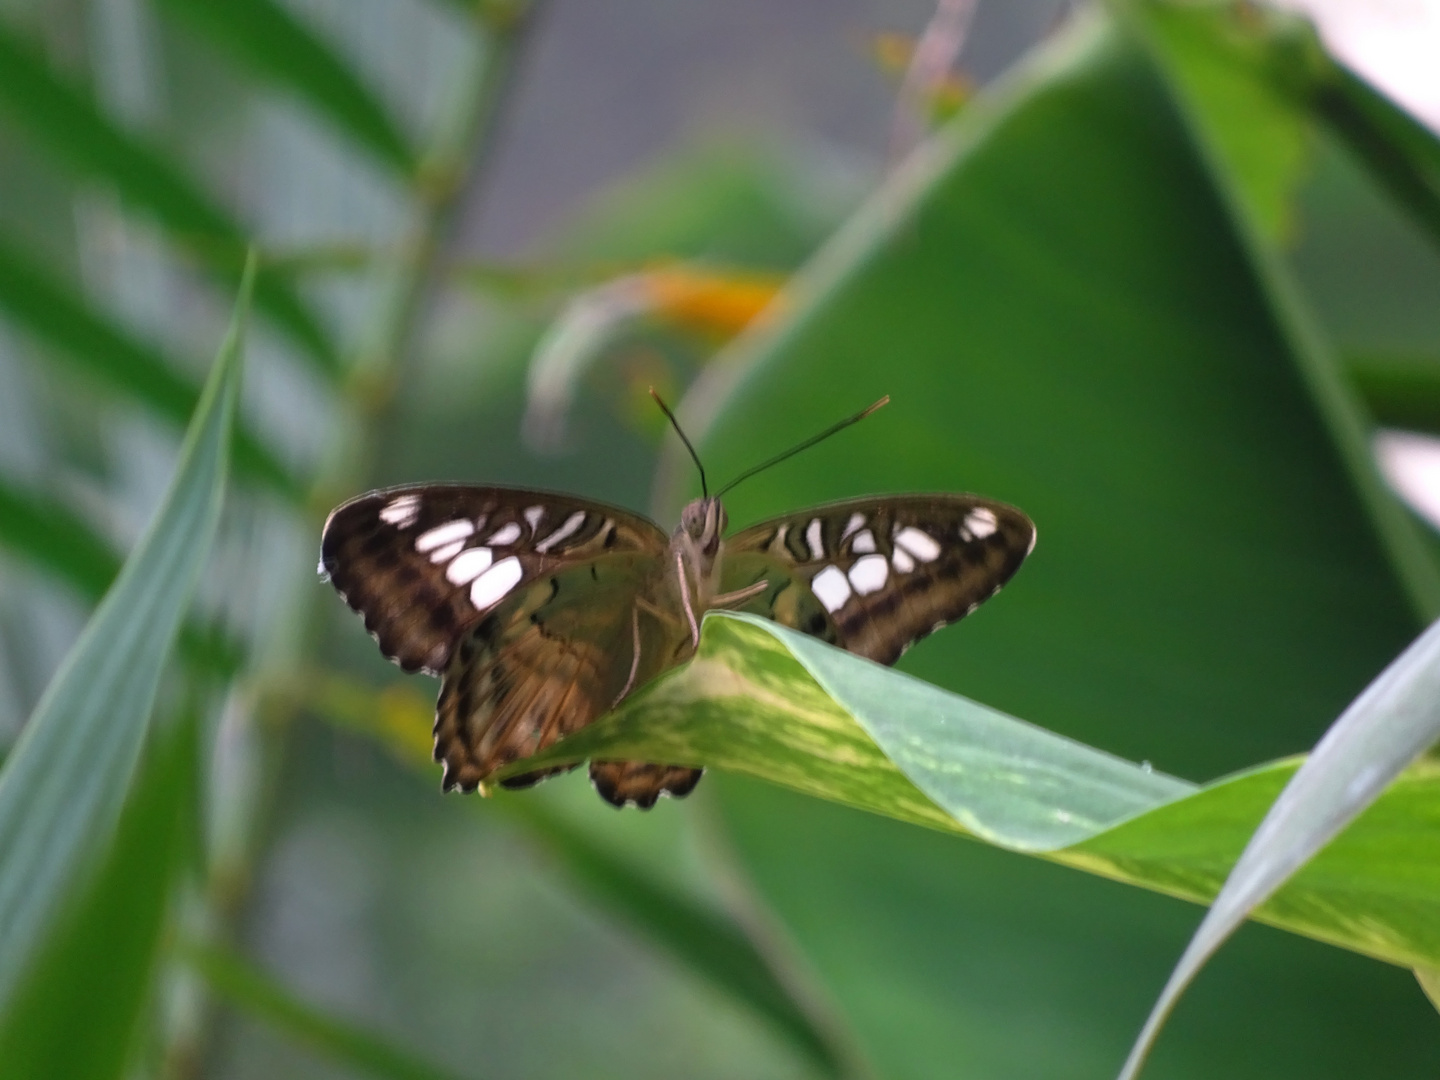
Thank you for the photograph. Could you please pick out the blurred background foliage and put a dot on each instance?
(1164, 323)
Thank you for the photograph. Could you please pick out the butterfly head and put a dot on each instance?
(702, 524)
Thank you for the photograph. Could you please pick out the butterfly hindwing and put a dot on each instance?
(525, 603)
(875, 575)
(422, 564)
(544, 663)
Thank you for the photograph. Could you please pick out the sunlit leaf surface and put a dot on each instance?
(765, 701)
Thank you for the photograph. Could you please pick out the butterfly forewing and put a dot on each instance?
(422, 564)
(875, 575)
(525, 603)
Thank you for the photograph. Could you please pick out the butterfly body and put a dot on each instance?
(542, 611)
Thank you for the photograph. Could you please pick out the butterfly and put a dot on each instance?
(541, 612)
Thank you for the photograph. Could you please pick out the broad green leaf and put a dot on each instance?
(1057, 298)
(47, 534)
(707, 941)
(62, 786)
(1214, 64)
(1429, 979)
(68, 124)
(115, 931)
(58, 317)
(1402, 153)
(342, 1041)
(271, 42)
(1382, 732)
(768, 702)
(1258, 124)
(1400, 390)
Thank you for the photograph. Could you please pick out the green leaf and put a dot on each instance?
(1214, 65)
(707, 941)
(62, 787)
(54, 314)
(713, 945)
(47, 534)
(1402, 153)
(1060, 304)
(117, 927)
(271, 42)
(339, 1040)
(68, 124)
(767, 702)
(1429, 980)
(1382, 732)
(1400, 389)
(1257, 123)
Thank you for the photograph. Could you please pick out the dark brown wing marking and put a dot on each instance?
(411, 559)
(875, 575)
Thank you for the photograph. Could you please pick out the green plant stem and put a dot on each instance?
(453, 171)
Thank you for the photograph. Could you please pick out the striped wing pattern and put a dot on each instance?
(875, 575)
(522, 601)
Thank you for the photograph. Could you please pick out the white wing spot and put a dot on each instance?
(573, 522)
(506, 535)
(491, 586)
(401, 511)
(920, 544)
(442, 535)
(870, 574)
(863, 543)
(814, 537)
(902, 562)
(449, 551)
(980, 523)
(778, 541)
(831, 588)
(469, 565)
(856, 520)
(533, 514)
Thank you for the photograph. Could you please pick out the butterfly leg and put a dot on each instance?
(634, 656)
(740, 597)
(685, 599)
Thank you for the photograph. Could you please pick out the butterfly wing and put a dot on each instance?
(875, 575)
(414, 560)
(562, 650)
(525, 602)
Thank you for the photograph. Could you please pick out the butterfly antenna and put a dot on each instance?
(705, 491)
(841, 426)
